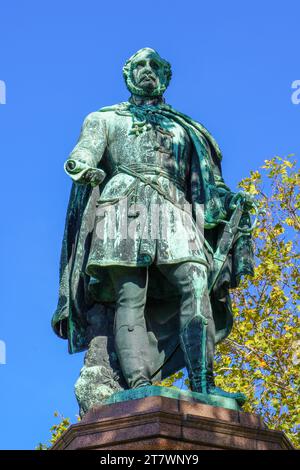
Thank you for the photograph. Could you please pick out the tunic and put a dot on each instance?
(143, 214)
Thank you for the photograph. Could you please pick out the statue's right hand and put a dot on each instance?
(82, 173)
(94, 176)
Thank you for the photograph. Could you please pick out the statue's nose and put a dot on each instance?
(147, 68)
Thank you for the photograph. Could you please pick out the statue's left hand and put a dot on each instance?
(245, 198)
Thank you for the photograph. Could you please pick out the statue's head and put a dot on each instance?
(146, 73)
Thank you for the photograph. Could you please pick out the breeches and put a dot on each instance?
(130, 284)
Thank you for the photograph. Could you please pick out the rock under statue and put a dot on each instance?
(154, 240)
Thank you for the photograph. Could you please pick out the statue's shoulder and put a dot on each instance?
(106, 114)
(118, 108)
(203, 132)
(184, 116)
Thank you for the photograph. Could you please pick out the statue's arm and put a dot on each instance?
(82, 164)
(229, 197)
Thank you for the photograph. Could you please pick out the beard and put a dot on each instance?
(148, 83)
(152, 88)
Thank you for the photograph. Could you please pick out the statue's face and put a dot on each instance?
(147, 72)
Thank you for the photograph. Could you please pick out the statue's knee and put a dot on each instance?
(129, 322)
(194, 278)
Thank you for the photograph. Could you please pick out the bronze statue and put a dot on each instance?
(147, 305)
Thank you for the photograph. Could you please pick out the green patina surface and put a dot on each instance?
(186, 395)
(117, 280)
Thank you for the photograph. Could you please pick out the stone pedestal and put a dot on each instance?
(161, 423)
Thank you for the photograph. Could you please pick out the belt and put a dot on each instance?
(139, 170)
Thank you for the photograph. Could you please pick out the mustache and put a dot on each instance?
(147, 75)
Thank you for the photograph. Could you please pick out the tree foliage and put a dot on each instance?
(261, 356)
(56, 431)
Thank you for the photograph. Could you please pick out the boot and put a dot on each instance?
(209, 388)
(130, 343)
(198, 349)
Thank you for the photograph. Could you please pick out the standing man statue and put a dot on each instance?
(153, 237)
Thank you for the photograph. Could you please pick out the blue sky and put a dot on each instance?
(233, 66)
